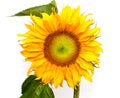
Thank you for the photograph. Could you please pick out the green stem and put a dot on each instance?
(76, 92)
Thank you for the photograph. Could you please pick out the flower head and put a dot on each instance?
(62, 47)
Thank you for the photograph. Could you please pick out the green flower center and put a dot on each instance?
(61, 48)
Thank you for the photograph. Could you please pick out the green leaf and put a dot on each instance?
(38, 10)
(27, 82)
(32, 88)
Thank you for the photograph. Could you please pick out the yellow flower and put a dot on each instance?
(62, 47)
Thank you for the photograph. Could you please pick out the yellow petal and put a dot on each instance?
(32, 47)
(65, 17)
(75, 74)
(47, 76)
(55, 24)
(59, 77)
(45, 16)
(89, 56)
(91, 32)
(48, 26)
(65, 14)
(85, 65)
(36, 29)
(31, 40)
(30, 54)
(75, 15)
(40, 64)
(69, 77)
(83, 18)
(94, 43)
(33, 59)
(86, 74)
(85, 25)
(92, 48)
(39, 22)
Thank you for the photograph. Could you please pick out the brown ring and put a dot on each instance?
(47, 53)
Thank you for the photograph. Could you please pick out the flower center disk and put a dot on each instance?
(61, 48)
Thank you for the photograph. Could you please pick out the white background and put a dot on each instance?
(13, 68)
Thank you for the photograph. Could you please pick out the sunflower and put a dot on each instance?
(62, 47)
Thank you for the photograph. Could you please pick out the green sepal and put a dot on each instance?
(94, 65)
(38, 10)
(32, 88)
